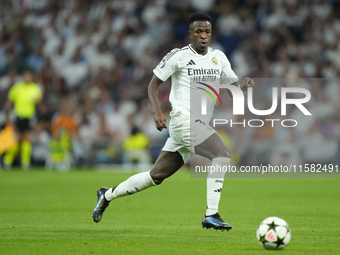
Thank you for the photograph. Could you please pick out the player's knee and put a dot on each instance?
(157, 176)
(226, 152)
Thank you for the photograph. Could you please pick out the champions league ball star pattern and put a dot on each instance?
(273, 233)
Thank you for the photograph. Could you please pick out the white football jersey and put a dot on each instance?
(185, 65)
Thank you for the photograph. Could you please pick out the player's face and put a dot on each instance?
(28, 77)
(200, 35)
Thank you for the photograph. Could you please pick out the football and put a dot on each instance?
(273, 233)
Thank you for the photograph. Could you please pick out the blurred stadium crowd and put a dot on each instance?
(94, 60)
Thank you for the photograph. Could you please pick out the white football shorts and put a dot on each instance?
(184, 137)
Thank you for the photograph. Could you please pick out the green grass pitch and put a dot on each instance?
(50, 213)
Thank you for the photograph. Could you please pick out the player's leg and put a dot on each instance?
(215, 149)
(166, 165)
(26, 150)
(10, 155)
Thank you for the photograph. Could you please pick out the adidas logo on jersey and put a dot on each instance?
(191, 62)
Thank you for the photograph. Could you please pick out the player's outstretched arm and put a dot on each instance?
(245, 84)
(158, 116)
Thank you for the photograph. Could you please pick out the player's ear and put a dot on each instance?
(189, 33)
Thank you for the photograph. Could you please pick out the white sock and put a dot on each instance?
(132, 185)
(215, 184)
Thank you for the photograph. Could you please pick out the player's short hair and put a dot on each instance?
(27, 70)
(198, 16)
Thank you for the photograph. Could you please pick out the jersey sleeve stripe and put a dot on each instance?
(171, 54)
(167, 57)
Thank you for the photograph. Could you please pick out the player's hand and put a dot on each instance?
(160, 120)
(247, 83)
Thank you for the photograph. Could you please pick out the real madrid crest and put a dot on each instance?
(214, 61)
